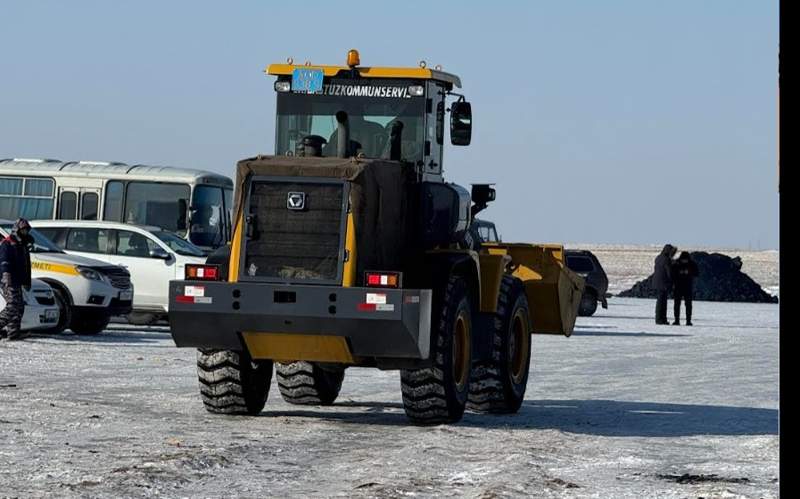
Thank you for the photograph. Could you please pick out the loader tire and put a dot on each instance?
(231, 382)
(305, 383)
(498, 386)
(438, 394)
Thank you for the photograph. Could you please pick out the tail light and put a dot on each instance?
(383, 279)
(202, 272)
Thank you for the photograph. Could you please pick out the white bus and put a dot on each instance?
(193, 203)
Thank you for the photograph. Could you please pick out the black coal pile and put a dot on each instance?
(720, 279)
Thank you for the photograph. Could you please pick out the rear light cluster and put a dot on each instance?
(383, 279)
(202, 272)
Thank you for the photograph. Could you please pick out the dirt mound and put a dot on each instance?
(720, 279)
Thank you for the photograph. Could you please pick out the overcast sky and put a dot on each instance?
(630, 122)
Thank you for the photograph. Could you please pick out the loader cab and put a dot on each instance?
(388, 113)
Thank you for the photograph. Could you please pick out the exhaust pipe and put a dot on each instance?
(342, 135)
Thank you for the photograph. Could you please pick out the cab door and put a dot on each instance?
(150, 265)
(78, 203)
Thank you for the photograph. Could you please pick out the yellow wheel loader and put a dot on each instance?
(350, 249)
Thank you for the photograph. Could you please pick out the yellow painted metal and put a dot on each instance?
(553, 291)
(492, 270)
(58, 268)
(236, 248)
(370, 72)
(349, 278)
(285, 347)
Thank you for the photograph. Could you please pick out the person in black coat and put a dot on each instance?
(684, 272)
(15, 273)
(662, 281)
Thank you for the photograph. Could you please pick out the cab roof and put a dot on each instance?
(420, 73)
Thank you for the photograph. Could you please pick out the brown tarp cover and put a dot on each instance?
(379, 194)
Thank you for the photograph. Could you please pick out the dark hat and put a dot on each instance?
(20, 224)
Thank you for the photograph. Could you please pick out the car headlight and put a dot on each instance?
(91, 273)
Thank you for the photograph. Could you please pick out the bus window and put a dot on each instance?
(208, 216)
(113, 207)
(26, 197)
(89, 206)
(68, 206)
(158, 204)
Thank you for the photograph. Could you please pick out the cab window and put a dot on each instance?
(580, 264)
(88, 240)
(134, 244)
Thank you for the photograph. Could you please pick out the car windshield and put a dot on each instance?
(40, 242)
(372, 110)
(177, 244)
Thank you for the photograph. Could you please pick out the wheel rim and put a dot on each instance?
(461, 357)
(519, 345)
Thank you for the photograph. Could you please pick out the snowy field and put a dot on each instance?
(623, 408)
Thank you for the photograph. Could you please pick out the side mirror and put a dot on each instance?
(160, 253)
(460, 123)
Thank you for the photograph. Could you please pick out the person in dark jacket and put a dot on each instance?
(684, 271)
(662, 281)
(15, 273)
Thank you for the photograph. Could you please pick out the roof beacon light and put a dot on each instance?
(282, 86)
(353, 59)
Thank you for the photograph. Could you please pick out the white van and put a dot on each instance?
(87, 291)
(152, 256)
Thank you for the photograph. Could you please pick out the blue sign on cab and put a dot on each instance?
(307, 80)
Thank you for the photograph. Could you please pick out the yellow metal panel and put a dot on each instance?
(350, 246)
(290, 347)
(236, 249)
(370, 72)
(553, 291)
(58, 268)
(492, 270)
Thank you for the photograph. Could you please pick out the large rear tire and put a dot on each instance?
(305, 383)
(438, 394)
(498, 385)
(232, 383)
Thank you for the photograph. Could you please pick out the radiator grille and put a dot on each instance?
(295, 244)
(119, 277)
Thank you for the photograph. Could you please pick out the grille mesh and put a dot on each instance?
(295, 245)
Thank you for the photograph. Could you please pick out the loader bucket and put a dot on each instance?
(554, 291)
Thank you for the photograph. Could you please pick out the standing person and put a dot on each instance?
(662, 281)
(15, 273)
(684, 271)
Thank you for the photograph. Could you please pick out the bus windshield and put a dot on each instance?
(208, 216)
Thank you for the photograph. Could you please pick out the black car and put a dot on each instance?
(584, 263)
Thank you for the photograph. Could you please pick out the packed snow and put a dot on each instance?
(623, 408)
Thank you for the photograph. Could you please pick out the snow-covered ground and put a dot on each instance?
(623, 408)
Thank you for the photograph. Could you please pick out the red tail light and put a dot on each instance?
(383, 279)
(202, 272)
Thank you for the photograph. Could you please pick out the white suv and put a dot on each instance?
(152, 256)
(87, 291)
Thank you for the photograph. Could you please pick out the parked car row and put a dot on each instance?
(86, 272)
